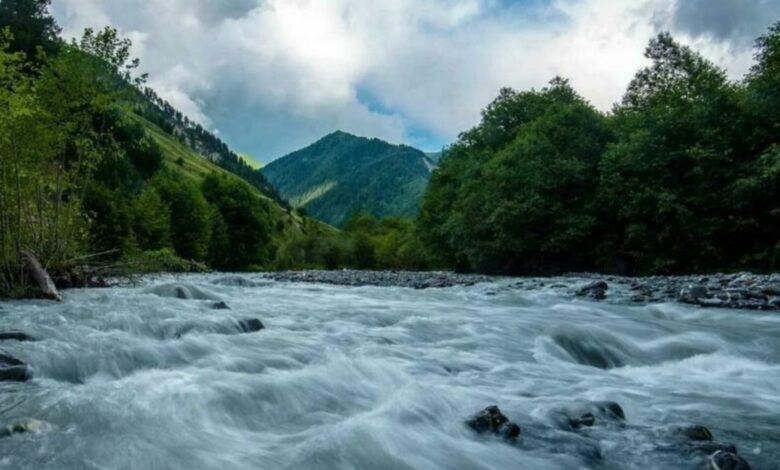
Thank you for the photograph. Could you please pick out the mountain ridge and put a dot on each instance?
(342, 173)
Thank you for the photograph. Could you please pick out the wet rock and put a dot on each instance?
(15, 374)
(250, 325)
(722, 460)
(13, 370)
(771, 290)
(182, 291)
(695, 433)
(492, 421)
(32, 426)
(220, 306)
(234, 281)
(596, 290)
(15, 336)
(692, 294)
(586, 420)
(582, 415)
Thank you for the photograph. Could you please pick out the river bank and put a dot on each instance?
(744, 291)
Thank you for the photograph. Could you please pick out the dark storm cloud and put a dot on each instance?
(738, 21)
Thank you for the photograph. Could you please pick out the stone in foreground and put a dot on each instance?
(491, 420)
(722, 460)
(250, 325)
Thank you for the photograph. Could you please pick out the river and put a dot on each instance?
(380, 378)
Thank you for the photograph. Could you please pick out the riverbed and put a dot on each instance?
(345, 377)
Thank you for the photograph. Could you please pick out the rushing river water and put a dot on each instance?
(380, 378)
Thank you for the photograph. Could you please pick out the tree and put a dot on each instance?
(515, 194)
(242, 220)
(190, 217)
(666, 183)
(151, 220)
(31, 25)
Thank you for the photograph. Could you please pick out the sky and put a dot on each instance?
(272, 76)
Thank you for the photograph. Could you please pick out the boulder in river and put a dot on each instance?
(32, 426)
(722, 460)
(220, 306)
(491, 420)
(250, 325)
(234, 281)
(596, 290)
(588, 414)
(13, 370)
(183, 291)
(695, 432)
(692, 294)
(15, 336)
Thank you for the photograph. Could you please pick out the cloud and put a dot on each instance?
(274, 75)
(735, 20)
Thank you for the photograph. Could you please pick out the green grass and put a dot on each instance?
(249, 160)
(313, 194)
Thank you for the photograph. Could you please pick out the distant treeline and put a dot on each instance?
(681, 176)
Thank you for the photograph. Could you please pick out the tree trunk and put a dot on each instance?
(40, 276)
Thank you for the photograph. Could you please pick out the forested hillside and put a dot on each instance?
(341, 174)
(93, 166)
(682, 176)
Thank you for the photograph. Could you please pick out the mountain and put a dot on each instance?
(343, 173)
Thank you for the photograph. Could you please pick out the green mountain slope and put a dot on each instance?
(184, 161)
(342, 173)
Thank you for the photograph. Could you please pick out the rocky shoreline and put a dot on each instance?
(743, 291)
(415, 280)
(735, 291)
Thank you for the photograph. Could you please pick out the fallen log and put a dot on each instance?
(41, 277)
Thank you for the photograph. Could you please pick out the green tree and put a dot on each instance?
(151, 220)
(31, 25)
(515, 194)
(242, 220)
(666, 182)
(190, 217)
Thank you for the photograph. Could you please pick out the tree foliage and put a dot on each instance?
(680, 177)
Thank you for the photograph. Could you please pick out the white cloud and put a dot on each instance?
(274, 75)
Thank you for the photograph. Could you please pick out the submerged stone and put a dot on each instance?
(15, 336)
(32, 426)
(596, 290)
(696, 433)
(250, 325)
(182, 291)
(491, 420)
(722, 460)
(13, 370)
(589, 414)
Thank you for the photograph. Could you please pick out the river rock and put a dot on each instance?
(772, 290)
(692, 294)
(234, 281)
(578, 416)
(13, 370)
(183, 291)
(15, 336)
(32, 426)
(695, 433)
(250, 325)
(491, 420)
(220, 306)
(722, 460)
(596, 290)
